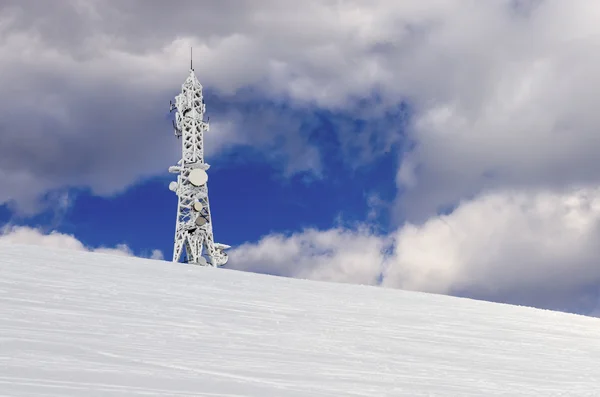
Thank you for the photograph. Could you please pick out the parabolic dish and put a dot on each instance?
(198, 206)
(198, 177)
(200, 220)
(173, 186)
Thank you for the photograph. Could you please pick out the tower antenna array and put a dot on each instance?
(193, 230)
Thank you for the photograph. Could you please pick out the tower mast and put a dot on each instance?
(193, 230)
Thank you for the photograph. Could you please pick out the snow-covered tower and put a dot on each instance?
(194, 230)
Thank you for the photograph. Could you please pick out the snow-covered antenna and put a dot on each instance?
(193, 230)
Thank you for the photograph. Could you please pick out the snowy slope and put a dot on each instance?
(82, 324)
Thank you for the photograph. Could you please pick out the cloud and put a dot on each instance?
(31, 236)
(99, 118)
(341, 255)
(501, 92)
(529, 247)
(537, 248)
(505, 99)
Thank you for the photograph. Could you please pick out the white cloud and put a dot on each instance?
(120, 249)
(341, 255)
(32, 236)
(157, 255)
(537, 248)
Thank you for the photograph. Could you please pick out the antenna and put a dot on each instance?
(191, 60)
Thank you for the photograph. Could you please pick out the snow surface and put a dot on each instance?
(85, 324)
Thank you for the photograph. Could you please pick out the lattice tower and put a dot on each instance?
(193, 231)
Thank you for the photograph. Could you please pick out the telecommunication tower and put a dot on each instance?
(193, 231)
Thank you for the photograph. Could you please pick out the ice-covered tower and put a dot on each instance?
(194, 230)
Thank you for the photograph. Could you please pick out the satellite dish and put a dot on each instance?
(173, 186)
(198, 206)
(200, 220)
(198, 177)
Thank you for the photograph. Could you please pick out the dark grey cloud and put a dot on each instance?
(492, 85)
(67, 130)
(87, 95)
(86, 84)
(135, 26)
(512, 108)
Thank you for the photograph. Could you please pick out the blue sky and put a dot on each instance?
(445, 147)
(249, 197)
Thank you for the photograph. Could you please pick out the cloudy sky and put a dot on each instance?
(445, 146)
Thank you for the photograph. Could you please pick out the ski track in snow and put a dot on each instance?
(74, 324)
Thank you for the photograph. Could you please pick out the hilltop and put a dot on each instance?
(77, 323)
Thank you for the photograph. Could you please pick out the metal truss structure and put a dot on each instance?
(194, 230)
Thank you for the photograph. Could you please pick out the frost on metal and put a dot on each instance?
(194, 231)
